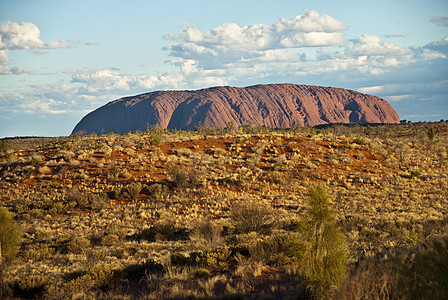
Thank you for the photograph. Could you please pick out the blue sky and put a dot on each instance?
(60, 60)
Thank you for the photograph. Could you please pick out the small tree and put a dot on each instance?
(431, 133)
(324, 261)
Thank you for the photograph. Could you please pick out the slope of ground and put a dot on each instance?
(113, 214)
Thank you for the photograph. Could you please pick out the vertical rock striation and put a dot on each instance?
(271, 105)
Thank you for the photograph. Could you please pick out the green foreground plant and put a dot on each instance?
(323, 263)
(10, 235)
(10, 239)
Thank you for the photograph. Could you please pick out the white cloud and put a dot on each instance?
(311, 22)
(312, 39)
(231, 50)
(309, 30)
(24, 36)
(372, 89)
(372, 45)
(41, 106)
(106, 81)
(57, 44)
(4, 57)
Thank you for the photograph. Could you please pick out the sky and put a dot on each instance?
(60, 60)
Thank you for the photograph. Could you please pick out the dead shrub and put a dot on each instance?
(252, 216)
(179, 175)
(207, 235)
(132, 190)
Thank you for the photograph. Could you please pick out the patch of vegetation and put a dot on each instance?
(342, 211)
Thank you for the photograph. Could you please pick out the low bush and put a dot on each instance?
(179, 175)
(207, 235)
(10, 235)
(421, 273)
(97, 276)
(277, 249)
(77, 198)
(156, 190)
(252, 216)
(78, 245)
(31, 287)
(3, 146)
(132, 190)
(166, 230)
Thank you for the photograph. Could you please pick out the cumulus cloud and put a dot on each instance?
(24, 36)
(371, 45)
(309, 30)
(230, 51)
(311, 22)
(440, 21)
(231, 43)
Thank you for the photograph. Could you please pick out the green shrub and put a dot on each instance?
(78, 245)
(97, 276)
(31, 287)
(156, 190)
(3, 146)
(79, 199)
(219, 259)
(10, 235)
(323, 262)
(358, 141)
(431, 133)
(155, 140)
(38, 252)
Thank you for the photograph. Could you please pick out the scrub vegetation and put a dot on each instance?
(341, 212)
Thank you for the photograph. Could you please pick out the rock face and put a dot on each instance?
(271, 105)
